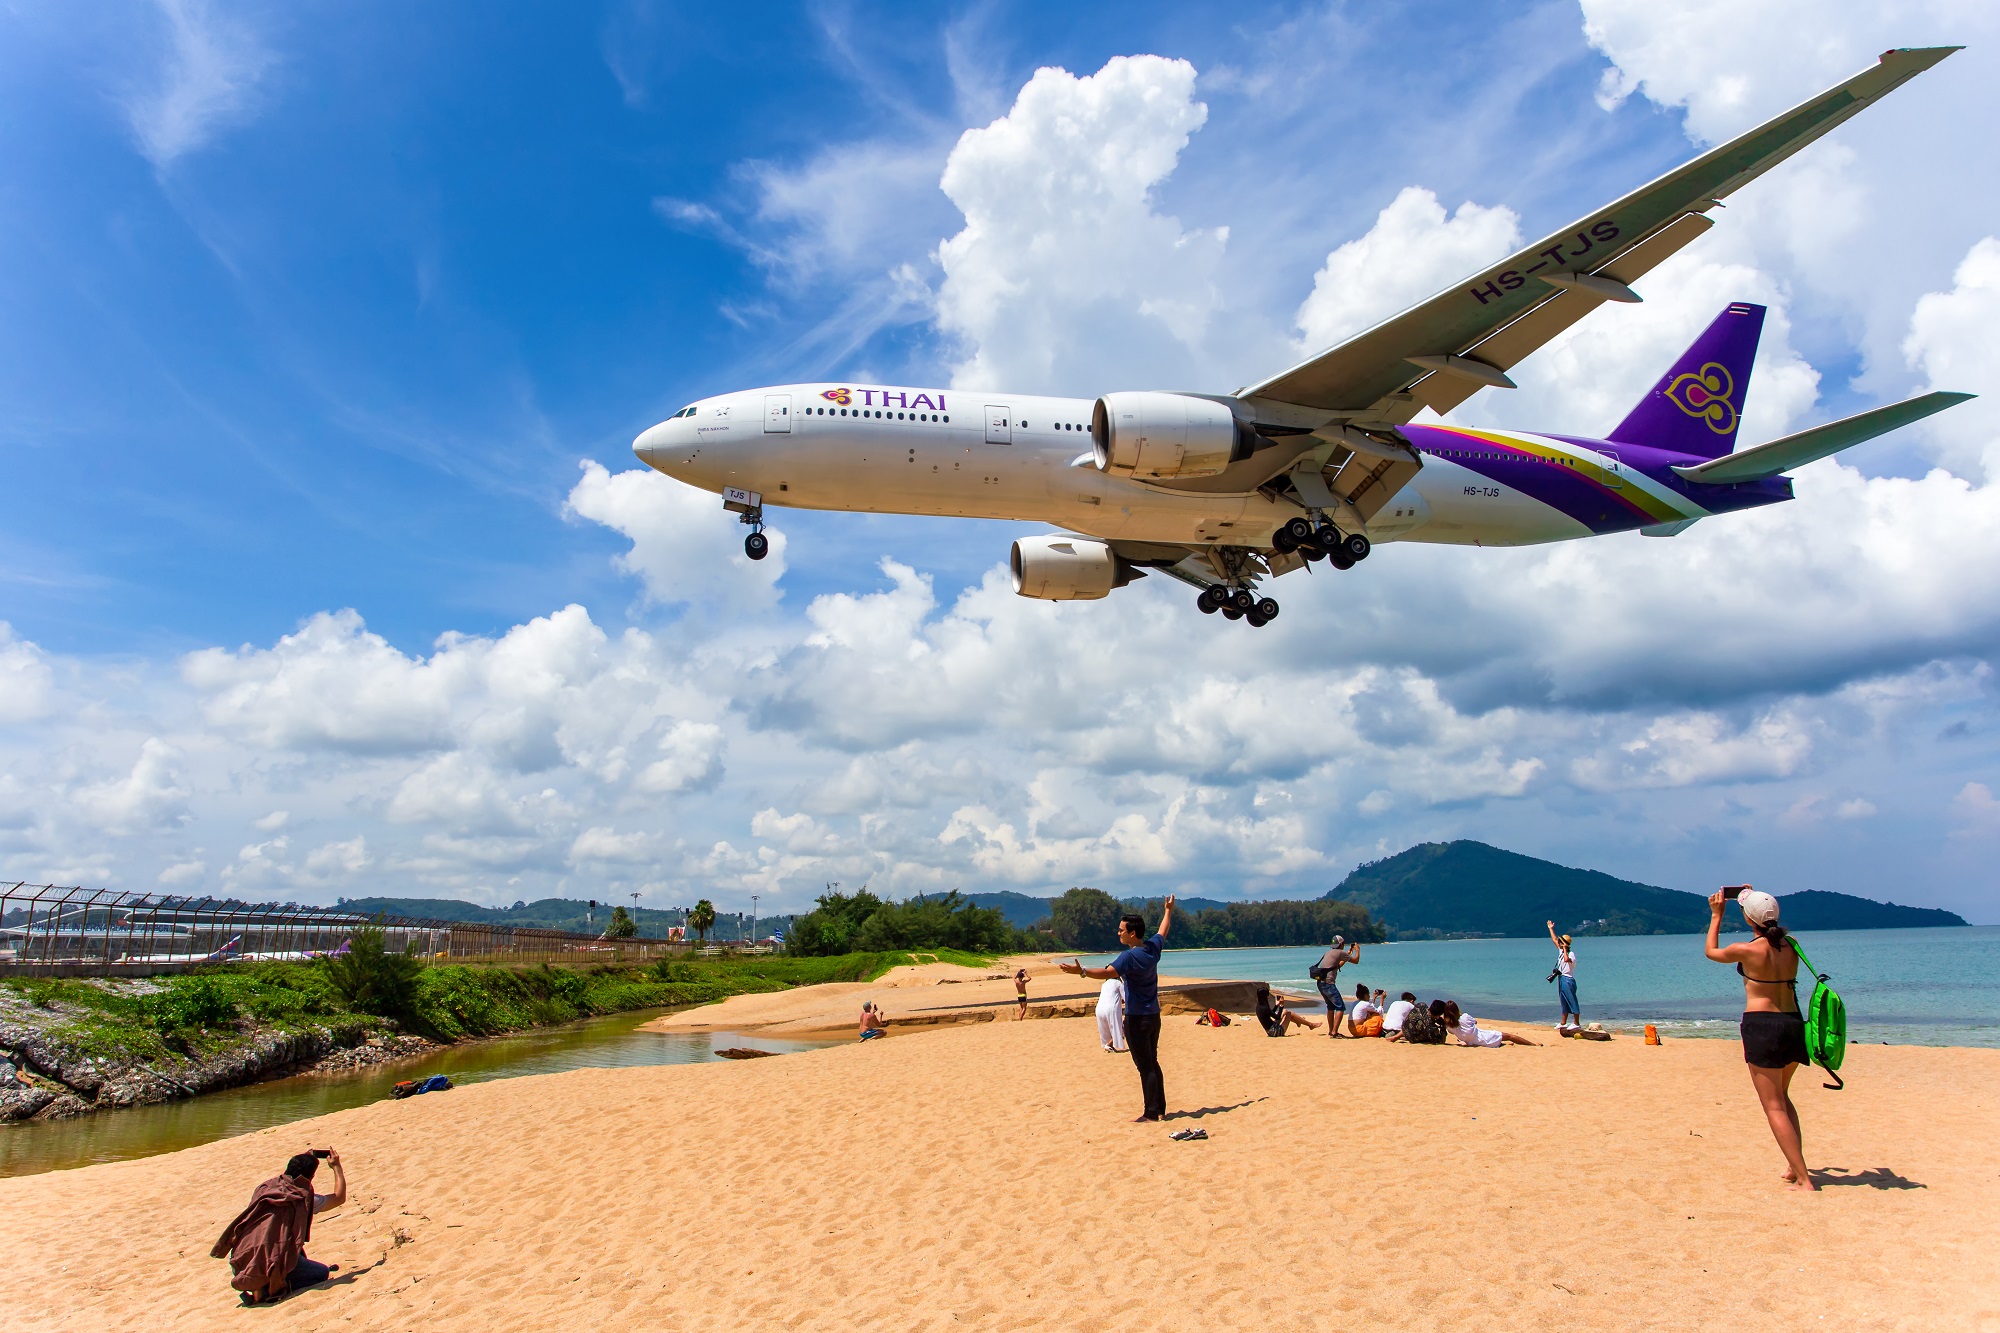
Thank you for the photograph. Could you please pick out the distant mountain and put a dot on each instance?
(569, 914)
(1469, 888)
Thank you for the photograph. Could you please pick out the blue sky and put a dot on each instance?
(316, 308)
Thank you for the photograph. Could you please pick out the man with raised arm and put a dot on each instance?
(1139, 968)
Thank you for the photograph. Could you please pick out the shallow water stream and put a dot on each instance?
(596, 1043)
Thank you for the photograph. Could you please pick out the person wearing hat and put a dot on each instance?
(1774, 1032)
(1566, 982)
(1326, 975)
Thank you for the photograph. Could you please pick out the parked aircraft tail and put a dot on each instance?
(1697, 406)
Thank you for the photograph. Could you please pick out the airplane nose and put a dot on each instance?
(651, 446)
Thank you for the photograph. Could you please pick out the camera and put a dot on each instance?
(1554, 973)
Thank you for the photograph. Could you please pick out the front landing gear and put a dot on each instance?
(748, 506)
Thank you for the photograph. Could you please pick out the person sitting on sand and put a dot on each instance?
(1366, 1020)
(1471, 1034)
(1393, 1016)
(871, 1021)
(1274, 1018)
(266, 1243)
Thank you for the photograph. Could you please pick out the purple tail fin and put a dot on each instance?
(1696, 406)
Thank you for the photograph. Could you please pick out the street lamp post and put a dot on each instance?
(753, 917)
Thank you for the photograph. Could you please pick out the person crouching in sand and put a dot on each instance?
(871, 1021)
(1139, 968)
(266, 1243)
(1774, 1033)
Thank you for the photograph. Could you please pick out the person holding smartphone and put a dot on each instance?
(1774, 1032)
(265, 1244)
(1139, 968)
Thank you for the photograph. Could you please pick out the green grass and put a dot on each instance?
(205, 1010)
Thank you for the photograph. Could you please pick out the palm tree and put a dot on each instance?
(702, 919)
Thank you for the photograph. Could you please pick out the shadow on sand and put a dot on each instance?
(1201, 1112)
(1880, 1178)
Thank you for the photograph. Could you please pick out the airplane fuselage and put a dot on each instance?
(1027, 457)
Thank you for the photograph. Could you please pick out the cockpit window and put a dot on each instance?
(684, 412)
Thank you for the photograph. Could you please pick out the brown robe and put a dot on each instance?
(266, 1239)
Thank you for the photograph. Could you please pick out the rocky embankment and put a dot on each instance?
(62, 1082)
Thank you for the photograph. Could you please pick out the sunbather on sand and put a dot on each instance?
(1471, 1034)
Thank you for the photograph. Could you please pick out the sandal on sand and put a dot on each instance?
(1188, 1135)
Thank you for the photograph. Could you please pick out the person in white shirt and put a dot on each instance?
(1111, 1016)
(1366, 1019)
(1471, 1034)
(1566, 983)
(1393, 1016)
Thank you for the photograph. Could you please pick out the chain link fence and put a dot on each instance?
(52, 930)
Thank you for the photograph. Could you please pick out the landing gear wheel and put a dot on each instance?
(1327, 538)
(1357, 546)
(1283, 542)
(756, 546)
(1243, 600)
(1341, 560)
(1256, 620)
(1300, 530)
(1232, 613)
(1211, 599)
(1268, 608)
(1312, 552)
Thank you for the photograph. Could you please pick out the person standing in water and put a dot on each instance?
(1326, 974)
(1566, 982)
(1139, 968)
(1774, 1032)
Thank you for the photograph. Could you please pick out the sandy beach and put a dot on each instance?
(986, 1175)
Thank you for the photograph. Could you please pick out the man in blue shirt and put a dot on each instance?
(1139, 968)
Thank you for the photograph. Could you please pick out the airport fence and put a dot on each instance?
(52, 930)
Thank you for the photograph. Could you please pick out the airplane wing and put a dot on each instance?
(1441, 352)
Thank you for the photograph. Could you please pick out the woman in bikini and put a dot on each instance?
(1774, 1032)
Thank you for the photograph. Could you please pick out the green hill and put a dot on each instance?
(558, 914)
(1024, 912)
(1469, 888)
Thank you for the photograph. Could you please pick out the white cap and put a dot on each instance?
(1759, 908)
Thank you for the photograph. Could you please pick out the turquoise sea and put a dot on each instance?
(1934, 987)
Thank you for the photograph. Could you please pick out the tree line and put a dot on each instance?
(1084, 920)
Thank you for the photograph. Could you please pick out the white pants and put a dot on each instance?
(1111, 1015)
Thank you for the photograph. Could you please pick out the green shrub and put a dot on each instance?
(370, 978)
(191, 1002)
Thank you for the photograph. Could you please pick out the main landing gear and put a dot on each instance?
(757, 545)
(1322, 542)
(1237, 604)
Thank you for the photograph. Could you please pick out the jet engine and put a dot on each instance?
(1061, 568)
(1157, 436)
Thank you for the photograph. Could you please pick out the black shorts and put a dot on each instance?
(1772, 1041)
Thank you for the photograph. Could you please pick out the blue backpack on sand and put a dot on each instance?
(1826, 1021)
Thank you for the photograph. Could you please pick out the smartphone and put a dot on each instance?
(322, 1153)
(1730, 892)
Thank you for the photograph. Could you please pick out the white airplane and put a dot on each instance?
(1321, 461)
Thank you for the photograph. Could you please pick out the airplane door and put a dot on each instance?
(777, 414)
(999, 424)
(1614, 471)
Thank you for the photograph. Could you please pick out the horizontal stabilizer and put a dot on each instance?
(1809, 446)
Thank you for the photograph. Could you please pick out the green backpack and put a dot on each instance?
(1826, 1021)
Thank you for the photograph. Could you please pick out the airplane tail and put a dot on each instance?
(1696, 406)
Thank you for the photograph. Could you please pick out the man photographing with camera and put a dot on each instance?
(266, 1243)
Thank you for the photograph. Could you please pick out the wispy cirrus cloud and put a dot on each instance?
(213, 75)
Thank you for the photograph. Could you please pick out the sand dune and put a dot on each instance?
(987, 1176)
